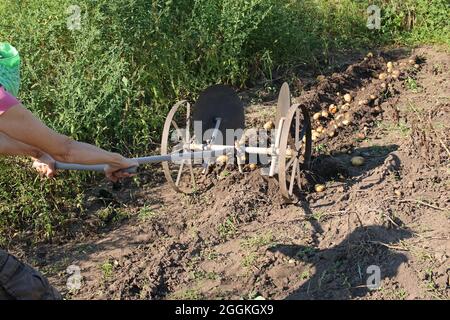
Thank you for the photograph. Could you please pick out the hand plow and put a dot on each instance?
(195, 138)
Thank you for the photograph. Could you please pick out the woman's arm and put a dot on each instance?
(21, 125)
(43, 163)
(11, 147)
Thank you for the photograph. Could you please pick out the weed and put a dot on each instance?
(226, 229)
(107, 270)
(249, 260)
(305, 253)
(146, 213)
(321, 148)
(203, 275)
(258, 241)
(224, 173)
(111, 215)
(189, 294)
(305, 275)
(412, 85)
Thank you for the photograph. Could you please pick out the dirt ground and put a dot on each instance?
(238, 240)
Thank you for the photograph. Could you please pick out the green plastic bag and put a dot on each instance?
(9, 68)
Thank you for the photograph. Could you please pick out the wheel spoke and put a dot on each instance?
(299, 180)
(179, 132)
(297, 127)
(290, 162)
(180, 172)
(191, 169)
(293, 176)
(188, 122)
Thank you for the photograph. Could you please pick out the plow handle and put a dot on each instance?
(141, 161)
(80, 167)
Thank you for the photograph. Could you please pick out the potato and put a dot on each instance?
(348, 98)
(320, 78)
(253, 166)
(346, 122)
(363, 102)
(332, 109)
(361, 136)
(390, 65)
(325, 114)
(319, 188)
(331, 133)
(222, 160)
(382, 76)
(370, 55)
(395, 74)
(416, 66)
(319, 129)
(345, 107)
(372, 97)
(412, 61)
(358, 161)
(389, 70)
(290, 152)
(270, 125)
(317, 115)
(383, 86)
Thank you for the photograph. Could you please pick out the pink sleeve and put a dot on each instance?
(6, 100)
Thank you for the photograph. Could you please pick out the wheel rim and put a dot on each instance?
(284, 103)
(180, 175)
(294, 151)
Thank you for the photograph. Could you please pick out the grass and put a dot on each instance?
(112, 82)
(107, 269)
(412, 85)
(146, 214)
(249, 260)
(402, 128)
(305, 253)
(320, 148)
(203, 275)
(318, 215)
(227, 229)
(258, 241)
(110, 215)
(189, 294)
(305, 275)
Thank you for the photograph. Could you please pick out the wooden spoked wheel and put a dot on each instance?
(294, 150)
(177, 137)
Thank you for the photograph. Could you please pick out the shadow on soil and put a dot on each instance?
(327, 168)
(341, 272)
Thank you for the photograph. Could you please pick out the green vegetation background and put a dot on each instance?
(112, 82)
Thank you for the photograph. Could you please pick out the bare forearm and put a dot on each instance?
(84, 153)
(21, 125)
(11, 147)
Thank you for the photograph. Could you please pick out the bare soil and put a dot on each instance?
(239, 240)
